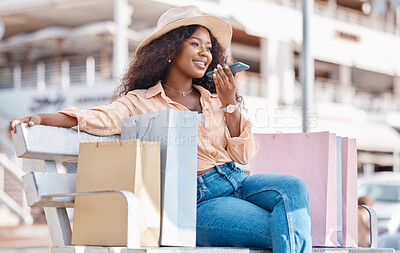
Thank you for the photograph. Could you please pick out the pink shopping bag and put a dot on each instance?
(349, 191)
(311, 157)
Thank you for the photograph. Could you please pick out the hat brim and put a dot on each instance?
(219, 28)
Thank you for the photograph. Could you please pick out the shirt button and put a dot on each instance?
(204, 136)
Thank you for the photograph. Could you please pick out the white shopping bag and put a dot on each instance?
(177, 133)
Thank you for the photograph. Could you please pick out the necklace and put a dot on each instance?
(183, 93)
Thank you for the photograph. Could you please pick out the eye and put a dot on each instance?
(195, 44)
(209, 48)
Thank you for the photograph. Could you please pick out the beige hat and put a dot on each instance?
(190, 15)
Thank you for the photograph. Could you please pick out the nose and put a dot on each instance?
(203, 50)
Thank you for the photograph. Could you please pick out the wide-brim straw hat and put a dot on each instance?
(190, 15)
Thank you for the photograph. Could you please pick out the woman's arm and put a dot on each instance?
(48, 119)
(226, 90)
(242, 146)
(233, 123)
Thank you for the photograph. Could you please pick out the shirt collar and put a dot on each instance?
(156, 89)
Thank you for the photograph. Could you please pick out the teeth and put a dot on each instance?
(200, 63)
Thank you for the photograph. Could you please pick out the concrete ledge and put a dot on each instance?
(81, 249)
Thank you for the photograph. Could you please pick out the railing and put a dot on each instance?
(343, 15)
(252, 84)
(88, 71)
(330, 91)
(68, 72)
(327, 90)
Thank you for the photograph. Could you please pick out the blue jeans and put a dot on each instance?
(263, 210)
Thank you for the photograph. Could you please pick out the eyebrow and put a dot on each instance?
(208, 42)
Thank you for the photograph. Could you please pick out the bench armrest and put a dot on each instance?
(39, 184)
(58, 190)
(38, 142)
(373, 226)
(133, 212)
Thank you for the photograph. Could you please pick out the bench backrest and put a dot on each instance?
(52, 143)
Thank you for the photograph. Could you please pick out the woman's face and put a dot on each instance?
(195, 56)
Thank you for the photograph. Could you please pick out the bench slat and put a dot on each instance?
(88, 249)
(39, 184)
(38, 142)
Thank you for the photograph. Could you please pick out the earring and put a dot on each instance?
(169, 61)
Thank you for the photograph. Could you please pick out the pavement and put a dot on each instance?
(25, 239)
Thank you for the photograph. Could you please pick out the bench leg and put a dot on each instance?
(59, 226)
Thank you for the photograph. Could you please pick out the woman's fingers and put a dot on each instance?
(217, 81)
(231, 77)
(223, 77)
(16, 122)
(31, 120)
(35, 120)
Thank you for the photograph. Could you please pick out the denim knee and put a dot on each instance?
(292, 186)
(298, 184)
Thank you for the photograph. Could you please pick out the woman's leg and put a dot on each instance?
(286, 198)
(232, 222)
(223, 219)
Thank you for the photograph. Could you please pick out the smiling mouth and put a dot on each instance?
(200, 64)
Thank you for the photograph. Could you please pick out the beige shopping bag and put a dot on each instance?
(129, 165)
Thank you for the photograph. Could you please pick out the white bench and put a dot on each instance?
(55, 192)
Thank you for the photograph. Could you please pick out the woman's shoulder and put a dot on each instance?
(137, 93)
(133, 97)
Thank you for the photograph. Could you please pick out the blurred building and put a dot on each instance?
(60, 53)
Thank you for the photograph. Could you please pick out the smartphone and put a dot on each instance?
(235, 68)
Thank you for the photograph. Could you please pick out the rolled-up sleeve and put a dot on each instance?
(244, 147)
(101, 120)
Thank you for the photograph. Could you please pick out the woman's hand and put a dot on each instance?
(48, 119)
(226, 91)
(31, 120)
(225, 85)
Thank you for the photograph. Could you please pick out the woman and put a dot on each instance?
(268, 211)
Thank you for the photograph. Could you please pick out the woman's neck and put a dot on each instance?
(178, 81)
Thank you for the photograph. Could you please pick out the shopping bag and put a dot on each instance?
(177, 133)
(312, 158)
(129, 165)
(339, 192)
(349, 190)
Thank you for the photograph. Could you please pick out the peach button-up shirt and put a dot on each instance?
(215, 145)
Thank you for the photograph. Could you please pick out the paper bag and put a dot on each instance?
(339, 190)
(129, 165)
(177, 133)
(349, 189)
(311, 157)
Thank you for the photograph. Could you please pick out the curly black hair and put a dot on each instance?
(151, 62)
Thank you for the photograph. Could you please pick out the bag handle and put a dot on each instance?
(148, 127)
(134, 122)
(79, 131)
